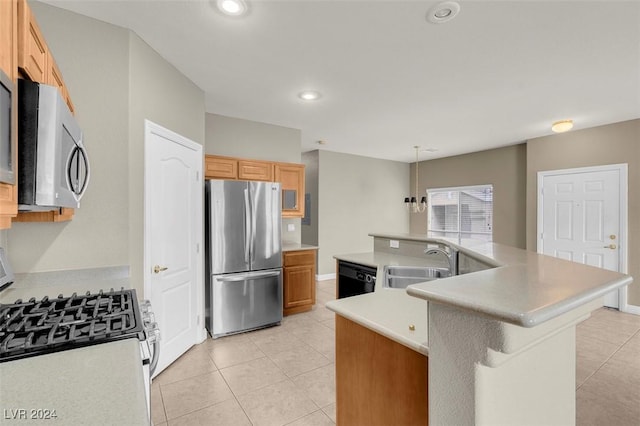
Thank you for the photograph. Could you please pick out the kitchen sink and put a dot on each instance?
(403, 276)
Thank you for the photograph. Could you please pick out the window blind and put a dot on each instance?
(461, 212)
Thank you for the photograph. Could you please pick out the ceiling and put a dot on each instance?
(498, 74)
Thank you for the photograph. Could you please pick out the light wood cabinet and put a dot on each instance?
(255, 170)
(32, 49)
(8, 64)
(216, 167)
(379, 382)
(299, 281)
(36, 62)
(291, 178)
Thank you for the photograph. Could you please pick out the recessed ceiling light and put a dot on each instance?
(321, 142)
(232, 7)
(443, 12)
(309, 95)
(562, 126)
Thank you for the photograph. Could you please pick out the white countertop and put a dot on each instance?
(525, 289)
(387, 311)
(98, 384)
(93, 385)
(289, 246)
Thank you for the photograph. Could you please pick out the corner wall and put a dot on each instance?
(505, 168)
(94, 59)
(356, 196)
(116, 81)
(612, 144)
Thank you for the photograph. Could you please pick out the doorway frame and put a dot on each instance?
(622, 169)
(152, 128)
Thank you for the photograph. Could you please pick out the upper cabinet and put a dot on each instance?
(290, 176)
(32, 49)
(8, 64)
(255, 170)
(24, 53)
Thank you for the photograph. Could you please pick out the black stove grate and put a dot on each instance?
(43, 326)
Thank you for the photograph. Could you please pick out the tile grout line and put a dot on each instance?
(608, 358)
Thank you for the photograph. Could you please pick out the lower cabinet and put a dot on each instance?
(379, 382)
(299, 281)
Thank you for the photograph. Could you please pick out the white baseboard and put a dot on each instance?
(325, 277)
(631, 309)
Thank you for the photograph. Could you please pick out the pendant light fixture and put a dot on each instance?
(412, 202)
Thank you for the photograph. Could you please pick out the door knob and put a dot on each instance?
(157, 269)
(611, 246)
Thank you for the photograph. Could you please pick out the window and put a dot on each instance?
(462, 213)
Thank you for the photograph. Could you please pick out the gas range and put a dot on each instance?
(37, 327)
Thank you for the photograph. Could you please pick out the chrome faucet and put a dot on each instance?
(451, 257)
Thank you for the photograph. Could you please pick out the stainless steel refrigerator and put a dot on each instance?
(243, 256)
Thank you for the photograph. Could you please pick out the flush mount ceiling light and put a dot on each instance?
(309, 95)
(443, 12)
(232, 7)
(562, 126)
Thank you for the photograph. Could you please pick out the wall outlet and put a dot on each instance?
(394, 243)
(291, 227)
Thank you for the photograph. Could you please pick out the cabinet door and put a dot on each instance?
(220, 167)
(255, 170)
(32, 49)
(54, 78)
(8, 64)
(298, 286)
(291, 178)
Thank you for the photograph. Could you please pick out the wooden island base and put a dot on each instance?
(378, 381)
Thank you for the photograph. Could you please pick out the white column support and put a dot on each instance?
(486, 372)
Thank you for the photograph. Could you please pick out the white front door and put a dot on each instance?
(173, 237)
(579, 217)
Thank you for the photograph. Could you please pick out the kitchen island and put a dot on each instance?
(500, 338)
(97, 384)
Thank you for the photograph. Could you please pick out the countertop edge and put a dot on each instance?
(376, 327)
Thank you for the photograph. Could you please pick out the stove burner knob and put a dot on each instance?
(148, 317)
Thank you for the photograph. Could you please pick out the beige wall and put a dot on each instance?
(94, 60)
(612, 144)
(235, 137)
(160, 93)
(116, 81)
(357, 195)
(505, 168)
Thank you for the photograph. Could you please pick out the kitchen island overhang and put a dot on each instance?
(501, 342)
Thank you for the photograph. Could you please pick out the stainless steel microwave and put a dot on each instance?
(53, 166)
(7, 171)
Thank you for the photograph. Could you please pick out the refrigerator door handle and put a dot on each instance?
(249, 276)
(247, 227)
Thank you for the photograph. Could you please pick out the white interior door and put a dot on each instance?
(579, 218)
(173, 237)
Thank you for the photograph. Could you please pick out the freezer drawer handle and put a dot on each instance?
(157, 269)
(244, 277)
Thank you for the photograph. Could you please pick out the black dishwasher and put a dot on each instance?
(354, 279)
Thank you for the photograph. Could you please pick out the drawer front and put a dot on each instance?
(298, 258)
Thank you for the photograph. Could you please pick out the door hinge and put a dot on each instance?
(542, 236)
(198, 320)
(197, 176)
(542, 190)
(197, 247)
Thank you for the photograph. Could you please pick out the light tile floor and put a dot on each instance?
(285, 375)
